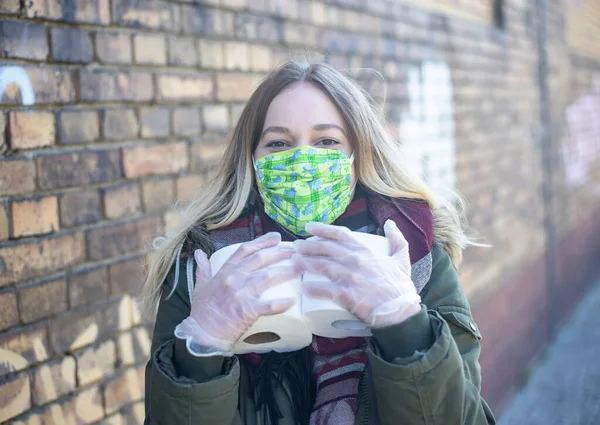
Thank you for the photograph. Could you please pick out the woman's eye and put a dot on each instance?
(328, 142)
(276, 144)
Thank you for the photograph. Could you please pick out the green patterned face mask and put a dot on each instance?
(305, 184)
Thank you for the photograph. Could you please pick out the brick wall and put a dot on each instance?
(111, 111)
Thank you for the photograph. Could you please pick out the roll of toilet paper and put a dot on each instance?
(329, 319)
(282, 332)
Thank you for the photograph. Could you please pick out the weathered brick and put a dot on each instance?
(24, 40)
(187, 187)
(123, 389)
(97, 12)
(42, 300)
(133, 346)
(153, 14)
(206, 152)
(183, 51)
(237, 56)
(118, 124)
(4, 223)
(126, 276)
(34, 216)
(234, 86)
(211, 53)
(10, 6)
(110, 86)
(261, 58)
(150, 49)
(80, 168)
(158, 195)
(16, 177)
(215, 118)
(22, 261)
(184, 87)
(79, 207)
(21, 348)
(9, 315)
(113, 48)
(157, 159)
(123, 200)
(155, 122)
(120, 239)
(186, 121)
(201, 20)
(78, 127)
(48, 85)
(96, 362)
(30, 129)
(53, 380)
(16, 397)
(71, 45)
(88, 286)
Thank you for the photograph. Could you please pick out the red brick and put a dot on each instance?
(42, 300)
(211, 53)
(21, 348)
(81, 168)
(10, 6)
(53, 380)
(156, 159)
(9, 315)
(120, 124)
(186, 121)
(78, 127)
(24, 40)
(123, 389)
(48, 85)
(4, 223)
(79, 207)
(234, 86)
(206, 153)
(185, 87)
(158, 195)
(122, 201)
(110, 86)
(127, 276)
(16, 177)
(22, 261)
(187, 187)
(95, 363)
(120, 239)
(113, 48)
(88, 286)
(71, 45)
(34, 216)
(155, 122)
(150, 49)
(30, 129)
(215, 118)
(97, 12)
(16, 396)
(183, 51)
(153, 14)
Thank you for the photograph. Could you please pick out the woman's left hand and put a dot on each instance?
(377, 289)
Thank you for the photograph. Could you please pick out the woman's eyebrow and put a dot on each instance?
(322, 127)
(276, 129)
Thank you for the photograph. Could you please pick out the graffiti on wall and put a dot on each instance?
(581, 144)
(16, 75)
(427, 126)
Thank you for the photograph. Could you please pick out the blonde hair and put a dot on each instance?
(378, 165)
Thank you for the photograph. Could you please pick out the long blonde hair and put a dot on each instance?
(379, 167)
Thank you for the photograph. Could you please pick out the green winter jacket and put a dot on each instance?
(424, 371)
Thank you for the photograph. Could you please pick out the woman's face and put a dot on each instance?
(302, 115)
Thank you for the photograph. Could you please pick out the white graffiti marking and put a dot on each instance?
(18, 76)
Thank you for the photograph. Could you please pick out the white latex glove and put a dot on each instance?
(376, 289)
(226, 305)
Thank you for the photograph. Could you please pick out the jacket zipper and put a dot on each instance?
(365, 394)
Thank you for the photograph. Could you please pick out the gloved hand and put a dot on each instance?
(226, 305)
(376, 289)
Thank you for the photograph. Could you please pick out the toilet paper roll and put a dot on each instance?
(329, 319)
(282, 332)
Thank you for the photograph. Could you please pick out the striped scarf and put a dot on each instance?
(332, 386)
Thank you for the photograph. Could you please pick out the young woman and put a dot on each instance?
(311, 156)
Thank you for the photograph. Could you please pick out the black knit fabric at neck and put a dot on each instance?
(269, 371)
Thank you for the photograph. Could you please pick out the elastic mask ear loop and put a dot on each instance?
(352, 158)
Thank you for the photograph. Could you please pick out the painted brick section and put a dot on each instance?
(42, 300)
(53, 380)
(123, 389)
(24, 40)
(34, 217)
(30, 130)
(95, 363)
(29, 346)
(158, 159)
(18, 399)
(50, 85)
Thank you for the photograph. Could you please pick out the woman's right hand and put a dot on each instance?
(224, 306)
